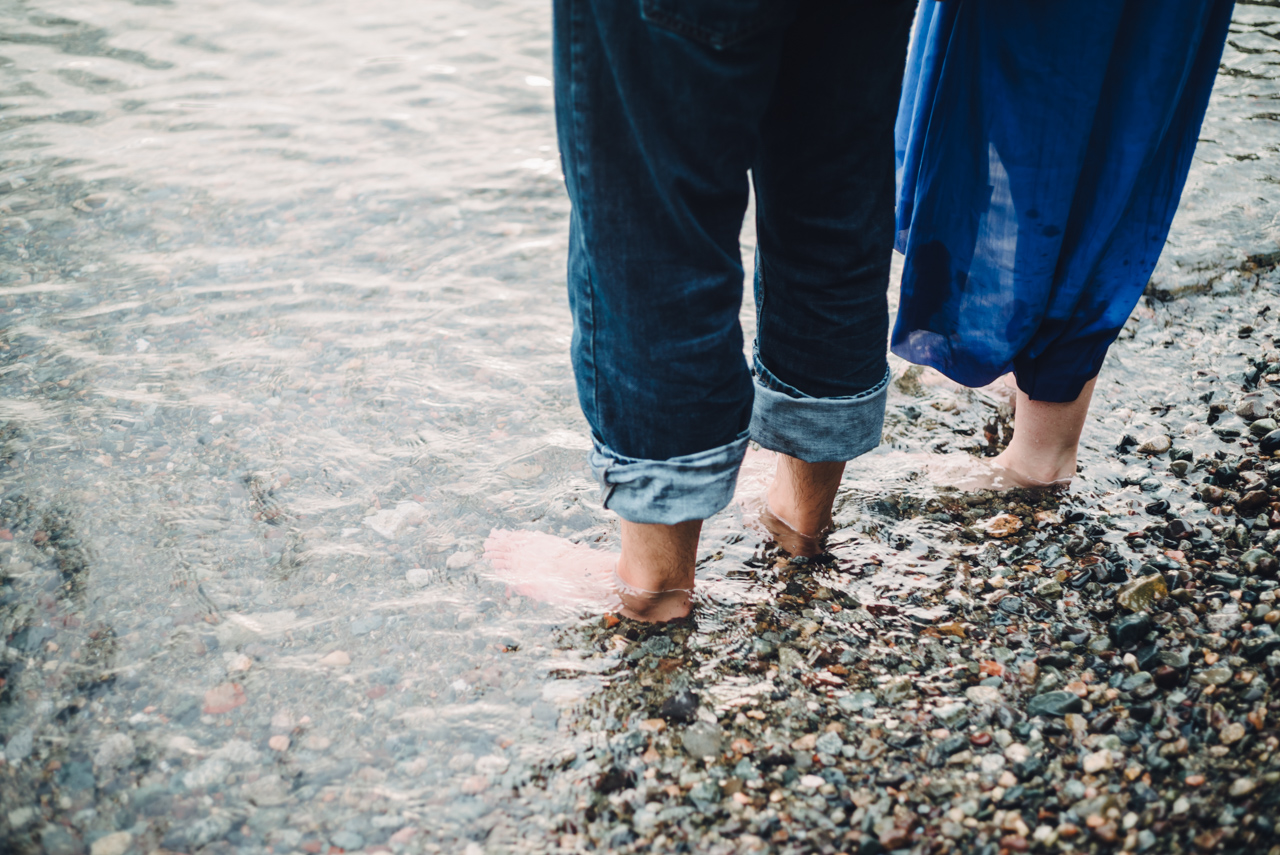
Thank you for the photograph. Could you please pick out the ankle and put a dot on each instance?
(653, 594)
(805, 519)
(802, 494)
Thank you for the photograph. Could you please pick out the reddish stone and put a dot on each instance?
(980, 739)
(5, 534)
(895, 838)
(1107, 832)
(376, 692)
(223, 698)
(1206, 841)
(1014, 842)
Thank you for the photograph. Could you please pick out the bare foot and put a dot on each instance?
(971, 474)
(553, 570)
(992, 475)
(557, 571)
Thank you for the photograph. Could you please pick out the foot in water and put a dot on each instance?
(972, 474)
(557, 571)
(762, 486)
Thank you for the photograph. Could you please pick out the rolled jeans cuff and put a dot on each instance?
(690, 487)
(816, 430)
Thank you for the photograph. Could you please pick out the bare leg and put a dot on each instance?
(656, 569)
(1046, 439)
(800, 498)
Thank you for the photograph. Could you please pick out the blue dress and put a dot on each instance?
(1041, 150)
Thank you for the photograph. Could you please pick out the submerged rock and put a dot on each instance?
(1128, 631)
(703, 739)
(680, 707)
(1258, 562)
(1057, 703)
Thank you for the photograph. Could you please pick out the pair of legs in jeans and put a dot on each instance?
(665, 109)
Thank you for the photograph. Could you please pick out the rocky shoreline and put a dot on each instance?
(1081, 681)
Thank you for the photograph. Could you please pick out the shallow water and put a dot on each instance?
(283, 337)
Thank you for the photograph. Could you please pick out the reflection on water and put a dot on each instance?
(282, 338)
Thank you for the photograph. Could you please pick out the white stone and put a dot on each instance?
(112, 844)
(239, 752)
(114, 752)
(1017, 753)
(812, 782)
(393, 523)
(237, 629)
(267, 791)
(21, 816)
(989, 695)
(461, 559)
(492, 764)
(1242, 787)
(183, 745)
(20, 746)
(211, 771)
(418, 577)
(461, 762)
(991, 764)
(1097, 761)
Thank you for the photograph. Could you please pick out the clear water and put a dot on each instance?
(283, 337)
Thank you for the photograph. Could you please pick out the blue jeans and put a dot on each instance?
(663, 107)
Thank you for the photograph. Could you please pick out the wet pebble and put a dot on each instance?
(1242, 787)
(680, 707)
(1128, 631)
(702, 739)
(115, 751)
(1056, 703)
(57, 840)
(224, 698)
(1155, 444)
(112, 844)
(1141, 593)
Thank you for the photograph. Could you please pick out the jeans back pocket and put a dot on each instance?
(716, 23)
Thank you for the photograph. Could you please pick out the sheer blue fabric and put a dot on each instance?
(1041, 151)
